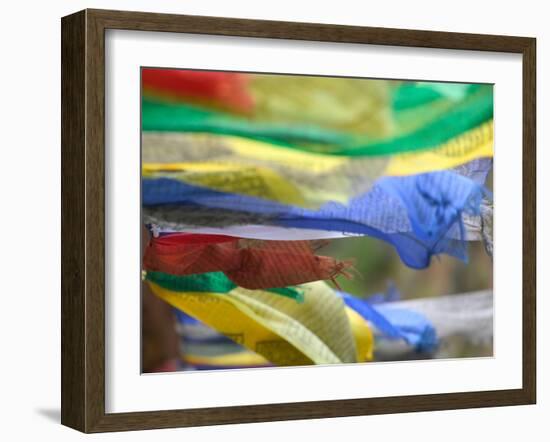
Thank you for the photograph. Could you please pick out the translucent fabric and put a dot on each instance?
(202, 348)
(419, 215)
(338, 116)
(250, 264)
(307, 179)
(280, 329)
(396, 323)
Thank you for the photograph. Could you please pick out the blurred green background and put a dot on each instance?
(378, 265)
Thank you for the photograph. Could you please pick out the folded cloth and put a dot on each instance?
(307, 179)
(250, 264)
(244, 166)
(396, 323)
(418, 214)
(203, 348)
(352, 117)
(282, 99)
(280, 329)
(214, 282)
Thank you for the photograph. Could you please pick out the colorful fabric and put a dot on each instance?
(396, 323)
(247, 263)
(281, 330)
(317, 114)
(215, 282)
(160, 116)
(226, 90)
(249, 167)
(203, 348)
(418, 214)
(246, 176)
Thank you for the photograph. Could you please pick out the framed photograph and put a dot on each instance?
(268, 220)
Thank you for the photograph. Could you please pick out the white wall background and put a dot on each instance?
(30, 221)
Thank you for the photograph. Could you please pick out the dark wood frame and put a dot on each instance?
(83, 218)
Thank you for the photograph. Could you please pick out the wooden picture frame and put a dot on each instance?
(83, 219)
